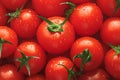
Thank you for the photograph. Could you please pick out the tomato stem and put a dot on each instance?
(24, 61)
(1, 45)
(116, 48)
(85, 56)
(58, 27)
(71, 72)
(117, 6)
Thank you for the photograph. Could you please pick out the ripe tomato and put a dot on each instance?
(9, 72)
(49, 8)
(112, 62)
(86, 19)
(79, 1)
(8, 41)
(54, 71)
(109, 7)
(36, 54)
(110, 31)
(98, 74)
(56, 42)
(26, 24)
(12, 5)
(36, 77)
(3, 17)
(95, 49)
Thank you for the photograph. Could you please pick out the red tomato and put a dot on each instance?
(26, 24)
(36, 77)
(35, 64)
(49, 8)
(12, 5)
(86, 19)
(112, 63)
(9, 72)
(3, 17)
(98, 74)
(95, 49)
(110, 31)
(108, 7)
(7, 34)
(56, 42)
(54, 71)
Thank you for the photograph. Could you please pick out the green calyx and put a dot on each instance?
(117, 6)
(71, 72)
(52, 27)
(2, 41)
(85, 56)
(24, 61)
(116, 48)
(14, 14)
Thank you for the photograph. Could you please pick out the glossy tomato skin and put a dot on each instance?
(8, 34)
(86, 19)
(60, 73)
(95, 48)
(108, 7)
(31, 49)
(3, 17)
(49, 8)
(79, 1)
(98, 74)
(110, 31)
(12, 5)
(36, 77)
(9, 72)
(112, 63)
(56, 42)
(26, 24)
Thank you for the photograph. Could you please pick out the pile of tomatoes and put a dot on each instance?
(59, 39)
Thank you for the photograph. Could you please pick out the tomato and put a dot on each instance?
(87, 19)
(12, 5)
(55, 71)
(49, 8)
(95, 48)
(36, 54)
(109, 7)
(36, 77)
(112, 62)
(8, 41)
(26, 24)
(3, 17)
(9, 72)
(110, 31)
(98, 74)
(55, 42)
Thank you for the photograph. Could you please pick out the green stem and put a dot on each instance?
(117, 6)
(116, 48)
(85, 56)
(52, 27)
(24, 61)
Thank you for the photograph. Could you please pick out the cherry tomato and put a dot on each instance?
(110, 31)
(79, 1)
(9, 72)
(95, 48)
(98, 74)
(33, 56)
(112, 62)
(12, 5)
(109, 7)
(56, 42)
(3, 17)
(55, 71)
(87, 19)
(49, 8)
(8, 41)
(26, 24)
